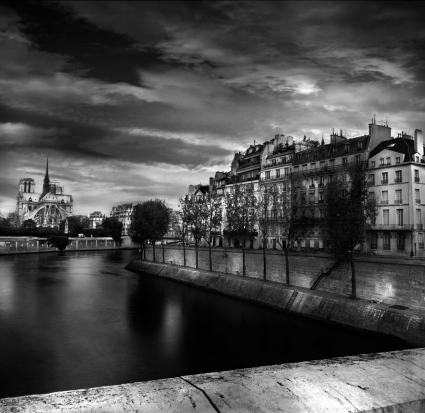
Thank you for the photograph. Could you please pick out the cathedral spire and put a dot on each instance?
(46, 185)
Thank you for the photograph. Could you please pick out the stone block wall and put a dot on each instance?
(390, 281)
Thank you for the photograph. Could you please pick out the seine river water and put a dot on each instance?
(79, 319)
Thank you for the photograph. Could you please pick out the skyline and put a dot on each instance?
(137, 100)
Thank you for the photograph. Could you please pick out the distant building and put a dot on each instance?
(47, 208)
(123, 213)
(96, 219)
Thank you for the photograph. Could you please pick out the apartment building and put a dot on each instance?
(397, 172)
(123, 213)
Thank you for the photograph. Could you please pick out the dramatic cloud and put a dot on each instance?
(137, 100)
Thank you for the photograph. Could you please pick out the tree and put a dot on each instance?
(350, 207)
(4, 222)
(213, 217)
(29, 223)
(290, 206)
(149, 223)
(74, 225)
(179, 225)
(113, 227)
(241, 215)
(59, 242)
(266, 201)
(196, 220)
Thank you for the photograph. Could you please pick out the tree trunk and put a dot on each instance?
(153, 250)
(353, 276)
(163, 253)
(196, 249)
(243, 258)
(264, 259)
(210, 255)
(287, 265)
(184, 253)
(142, 250)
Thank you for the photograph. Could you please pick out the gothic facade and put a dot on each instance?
(46, 208)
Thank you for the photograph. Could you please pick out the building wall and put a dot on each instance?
(380, 279)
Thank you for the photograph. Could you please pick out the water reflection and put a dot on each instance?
(79, 319)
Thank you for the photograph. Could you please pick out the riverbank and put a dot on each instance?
(32, 245)
(403, 324)
(384, 382)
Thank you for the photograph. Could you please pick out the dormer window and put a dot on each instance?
(417, 159)
(334, 150)
(388, 161)
(381, 161)
(397, 160)
(360, 145)
(346, 147)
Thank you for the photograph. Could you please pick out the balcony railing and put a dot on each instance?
(398, 201)
(418, 201)
(398, 180)
(420, 227)
(384, 202)
(421, 245)
(384, 181)
(393, 227)
(417, 179)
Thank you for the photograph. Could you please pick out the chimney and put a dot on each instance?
(419, 141)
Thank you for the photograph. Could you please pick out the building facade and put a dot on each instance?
(46, 208)
(95, 219)
(396, 168)
(123, 213)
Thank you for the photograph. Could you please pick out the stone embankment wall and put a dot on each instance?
(393, 281)
(23, 245)
(408, 325)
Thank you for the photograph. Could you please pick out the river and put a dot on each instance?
(78, 319)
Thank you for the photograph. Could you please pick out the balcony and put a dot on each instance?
(384, 182)
(421, 245)
(398, 201)
(398, 180)
(417, 201)
(385, 202)
(420, 227)
(393, 227)
(417, 179)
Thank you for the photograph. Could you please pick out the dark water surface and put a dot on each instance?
(81, 320)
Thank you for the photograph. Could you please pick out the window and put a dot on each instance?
(386, 216)
(416, 175)
(360, 145)
(381, 161)
(417, 159)
(316, 154)
(332, 163)
(344, 162)
(287, 171)
(399, 217)
(418, 217)
(421, 240)
(400, 242)
(312, 243)
(398, 177)
(334, 150)
(304, 167)
(398, 197)
(384, 178)
(268, 175)
(374, 241)
(322, 164)
(311, 198)
(388, 161)
(313, 166)
(320, 197)
(357, 158)
(321, 179)
(372, 179)
(277, 173)
(417, 196)
(372, 164)
(346, 147)
(296, 168)
(387, 242)
(384, 197)
(397, 160)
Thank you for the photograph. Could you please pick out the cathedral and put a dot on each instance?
(46, 208)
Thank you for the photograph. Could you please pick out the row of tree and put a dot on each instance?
(346, 213)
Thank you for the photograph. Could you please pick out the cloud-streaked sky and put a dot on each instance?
(137, 100)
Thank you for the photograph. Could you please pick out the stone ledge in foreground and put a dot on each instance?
(384, 382)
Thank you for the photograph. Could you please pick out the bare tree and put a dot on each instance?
(241, 215)
(180, 225)
(212, 219)
(195, 220)
(266, 206)
(290, 208)
(350, 208)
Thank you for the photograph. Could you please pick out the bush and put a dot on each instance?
(28, 232)
(60, 242)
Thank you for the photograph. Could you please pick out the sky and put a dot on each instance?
(133, 101)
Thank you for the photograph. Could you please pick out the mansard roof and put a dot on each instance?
(399, 145)
(343, 148)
